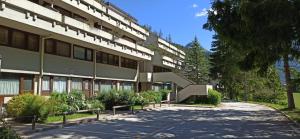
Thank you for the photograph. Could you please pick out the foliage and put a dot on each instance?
(265, 32)
(6, 132)
(214, 97)
(94, 104)
(164, 93)
(152, 96)
(114, 98)
(196, 65)
(25, 106)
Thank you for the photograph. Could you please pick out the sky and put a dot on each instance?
(182, 19)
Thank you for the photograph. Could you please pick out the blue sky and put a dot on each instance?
(183, 19)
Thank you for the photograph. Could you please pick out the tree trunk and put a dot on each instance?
(289, 87)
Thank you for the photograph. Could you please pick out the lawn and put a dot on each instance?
(52, 119)
(297, 100)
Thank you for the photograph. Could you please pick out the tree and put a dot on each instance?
(266, 31)
(196, 65)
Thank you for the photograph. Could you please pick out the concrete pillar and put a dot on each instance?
(40, 77)
(69, 85)
(118, 85)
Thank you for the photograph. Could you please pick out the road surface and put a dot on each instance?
(231, 120)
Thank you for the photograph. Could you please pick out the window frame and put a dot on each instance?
(55, 47)
(85, 54)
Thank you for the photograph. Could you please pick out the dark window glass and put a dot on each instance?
(63, 49)
(50, 46)
(83, 53)
(79, 53)
(89, 55)
(18, 39)
(33, 42)
(104, 58)
(128, 63)
(111, 59)
(28, 85)
(56, 47)
(99, 57)
(4, 36)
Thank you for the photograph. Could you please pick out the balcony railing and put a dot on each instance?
(102, 16)
(41, 17)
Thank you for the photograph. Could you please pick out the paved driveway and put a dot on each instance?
(232, 120)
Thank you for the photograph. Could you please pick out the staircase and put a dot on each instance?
(190, 88)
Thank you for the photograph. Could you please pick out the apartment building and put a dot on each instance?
(63, 45)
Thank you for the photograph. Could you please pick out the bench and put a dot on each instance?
(121, 106)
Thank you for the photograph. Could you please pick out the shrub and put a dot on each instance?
(23, 107)
(114, 97)
(76, 99)
(214, 97)
(164, 93)
(94, 104)
(58, 104)
(152, 96)
(6, 132)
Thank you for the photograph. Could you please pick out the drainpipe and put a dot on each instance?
(42, 52)
(95, 71)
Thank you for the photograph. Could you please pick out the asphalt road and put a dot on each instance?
(231, 120)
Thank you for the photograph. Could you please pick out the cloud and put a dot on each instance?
(194, 5)
(203, 12)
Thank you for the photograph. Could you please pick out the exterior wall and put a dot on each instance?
(64, 65)
(18, 59)
(115, 73)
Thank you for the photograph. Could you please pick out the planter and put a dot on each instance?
(297, 100)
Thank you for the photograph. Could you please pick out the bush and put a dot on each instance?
(23, 107)
(94, 104)
(269, 96)
(114, 98)
(214, 97)
(152, 96)
(8, 133)
(164, 93)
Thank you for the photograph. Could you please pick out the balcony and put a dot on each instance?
(167, 61)
(26, 12)
(170, 48)
(99, 11)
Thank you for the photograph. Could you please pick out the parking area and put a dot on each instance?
(231, 120)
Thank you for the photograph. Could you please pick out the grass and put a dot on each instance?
(52, 119)
(297, 100)
(137, 107)
(294, 114)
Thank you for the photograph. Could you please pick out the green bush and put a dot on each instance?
(152, 96)
(6, 132)
(23, 107)
(214, 97)
(269, 96)
(164, 93)
(114, 98)
(94, 104)
(76, 99)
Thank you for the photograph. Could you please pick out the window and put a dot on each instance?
(59, 84)
(18, 39)
(77, 84)
(128, 63)
(9, 85)
(63, 49)
(127, 86)
(28, 85)
(106, 58)
(33, 42)
(83, 53)
(50, 46)
(56, 47)
(105, 86)
(46, 84)
(4, 36)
